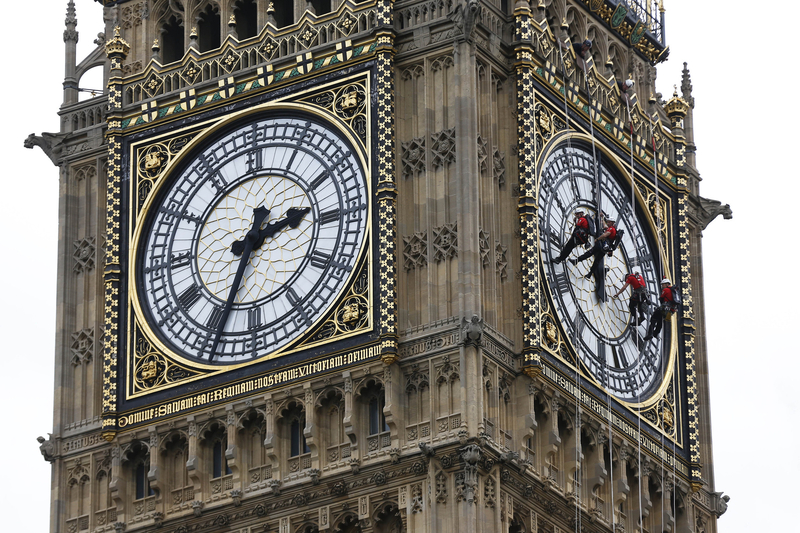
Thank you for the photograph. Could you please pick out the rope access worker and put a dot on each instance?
(580, 235)
(638, 295)
(581, 51)
(602, 245)
(624, 87)
(669, 304)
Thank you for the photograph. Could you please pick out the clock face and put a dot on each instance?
(253, 240)
(608, 342)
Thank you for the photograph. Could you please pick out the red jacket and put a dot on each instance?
(636, 282)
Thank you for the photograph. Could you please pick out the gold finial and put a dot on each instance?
(677, 107)
(675, 92)
(232, 20)
(155, 44)
(271, 8)
(193, 33)
(117, 46)
(661, 6)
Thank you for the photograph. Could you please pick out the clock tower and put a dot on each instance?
(359, 266)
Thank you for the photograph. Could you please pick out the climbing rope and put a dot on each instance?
(577, 474)
(633, 318)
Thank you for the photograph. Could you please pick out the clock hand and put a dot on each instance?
(260, 213)
(293, 218)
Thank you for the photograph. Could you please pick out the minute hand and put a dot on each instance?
(248, 244)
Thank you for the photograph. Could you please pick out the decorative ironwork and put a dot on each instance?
(348, 102)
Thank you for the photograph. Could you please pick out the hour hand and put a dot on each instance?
(293, 218)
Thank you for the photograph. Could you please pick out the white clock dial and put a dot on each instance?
(608, 342)
(313, 185)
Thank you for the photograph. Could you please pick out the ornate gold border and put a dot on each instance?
(209, 127)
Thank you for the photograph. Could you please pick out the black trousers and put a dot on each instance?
(638, 302)
(657, 320)
(572, 243)
(597, 251)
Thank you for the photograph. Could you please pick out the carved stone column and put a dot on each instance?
(270, 437)
(573, 456)
(117, 486)
(595, 468)
(530, 420)
(193, 465)
(663, 519)
(619, 468)
(311, 431)
(347, 420)
(153, 473)
(393, 410)
(232, 451)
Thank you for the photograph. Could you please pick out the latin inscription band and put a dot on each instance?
(248, 386)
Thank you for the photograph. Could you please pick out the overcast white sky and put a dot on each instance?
(745, 88)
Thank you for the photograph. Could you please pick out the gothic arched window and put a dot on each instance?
(208, 28)
(172, 45)
(298, 440)
(321, 6)
(284, 14)
(373, 400)
(246, 12)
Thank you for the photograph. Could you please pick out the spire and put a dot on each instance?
(686, 86)
(71, 22)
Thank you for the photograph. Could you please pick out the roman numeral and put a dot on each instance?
(319, 259)
(180, 260)
(319, 179)
(328, 217)
(254, 318)
(291, 160)
(620, 359)
(292, 296)
(295, 301)
(214, 318)
(217, 181)
(601, 350)
(255, 161)
(562, 283)
(189, 297)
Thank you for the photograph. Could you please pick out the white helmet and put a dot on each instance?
(666, 280)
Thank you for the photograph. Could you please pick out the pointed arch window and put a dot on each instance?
(298, 440)
(172, 44)
(208, 28)
(246, 12)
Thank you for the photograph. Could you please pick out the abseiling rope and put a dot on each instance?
(635, 321)
(577, 473)
(598, 199)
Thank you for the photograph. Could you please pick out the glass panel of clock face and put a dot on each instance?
(316, 192)
(608, 342)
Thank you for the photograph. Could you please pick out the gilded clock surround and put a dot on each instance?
(539, 122)
(174, 370)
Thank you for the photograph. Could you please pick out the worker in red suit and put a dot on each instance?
(580, 235)
(638, 300)
(669, 304)
(602, 245)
